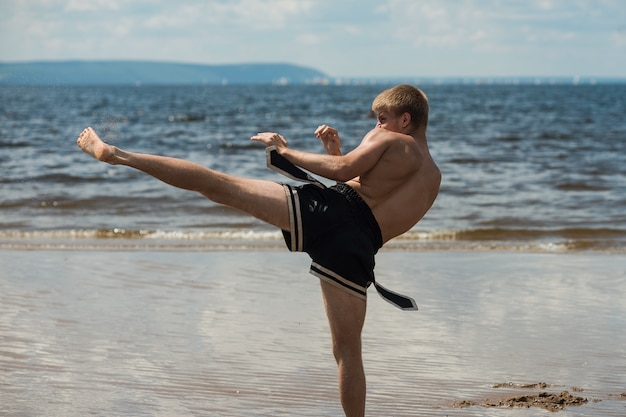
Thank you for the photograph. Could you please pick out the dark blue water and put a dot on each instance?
(524, 166)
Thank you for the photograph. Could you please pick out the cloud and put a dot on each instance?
(233, 15)
(619, 38)
(348, 37)
(91, 5)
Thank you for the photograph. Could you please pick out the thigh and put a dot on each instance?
(346, 315)
(265, 200)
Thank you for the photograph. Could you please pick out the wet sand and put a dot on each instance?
(243, 333)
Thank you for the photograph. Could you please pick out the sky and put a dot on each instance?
(342, 38)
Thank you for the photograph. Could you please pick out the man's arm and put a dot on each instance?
(334, 167)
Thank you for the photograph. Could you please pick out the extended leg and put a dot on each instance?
(346, 315)
(262, 199)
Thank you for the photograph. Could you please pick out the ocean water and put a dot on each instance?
(528, 167)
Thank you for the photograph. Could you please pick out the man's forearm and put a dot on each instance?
(332, 167)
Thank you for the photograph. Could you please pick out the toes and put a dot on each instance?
(81, 137)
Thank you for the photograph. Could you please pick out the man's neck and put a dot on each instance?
(419, 135)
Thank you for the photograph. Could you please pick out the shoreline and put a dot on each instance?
(263, 237)
(275, 243)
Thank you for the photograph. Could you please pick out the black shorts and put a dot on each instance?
(338, 231)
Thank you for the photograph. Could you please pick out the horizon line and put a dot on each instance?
(522, 78)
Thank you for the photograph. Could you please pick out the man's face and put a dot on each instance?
(388, 121)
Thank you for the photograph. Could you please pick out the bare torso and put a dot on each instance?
(403, 184)
(393, 172)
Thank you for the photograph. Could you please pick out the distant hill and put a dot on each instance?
(151, 73)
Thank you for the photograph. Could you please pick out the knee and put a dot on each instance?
(346, 350)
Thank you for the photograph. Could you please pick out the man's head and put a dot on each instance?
(407, 104)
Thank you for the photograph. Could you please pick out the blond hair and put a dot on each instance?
(402, 99)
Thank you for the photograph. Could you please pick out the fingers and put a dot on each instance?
(325, 132)
(329, 138)
(328, 135)
(270, 138)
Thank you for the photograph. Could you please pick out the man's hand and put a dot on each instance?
(330, 139)
(271, 139)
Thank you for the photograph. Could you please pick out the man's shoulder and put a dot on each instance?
(386, 137)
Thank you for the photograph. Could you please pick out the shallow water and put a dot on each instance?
(243, 333)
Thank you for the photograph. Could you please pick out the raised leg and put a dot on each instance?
(346, 315)
(264, 200)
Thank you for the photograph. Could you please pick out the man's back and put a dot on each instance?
(402, 185)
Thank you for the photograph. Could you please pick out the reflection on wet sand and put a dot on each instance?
(244, 333)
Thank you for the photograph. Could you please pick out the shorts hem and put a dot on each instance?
(338, 281)
(294, 237)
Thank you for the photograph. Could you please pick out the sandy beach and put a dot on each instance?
(243, 333)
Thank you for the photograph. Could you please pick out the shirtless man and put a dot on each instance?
(385, 186)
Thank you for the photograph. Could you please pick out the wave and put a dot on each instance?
(553, 240)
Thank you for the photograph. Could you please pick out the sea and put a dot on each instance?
(525, 167)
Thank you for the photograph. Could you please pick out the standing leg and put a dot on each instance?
(346, 315)
(264, 200)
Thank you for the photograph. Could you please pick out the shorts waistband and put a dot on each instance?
(361, 211)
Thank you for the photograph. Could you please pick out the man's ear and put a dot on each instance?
(406, 119)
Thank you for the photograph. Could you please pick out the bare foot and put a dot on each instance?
(91, 144)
